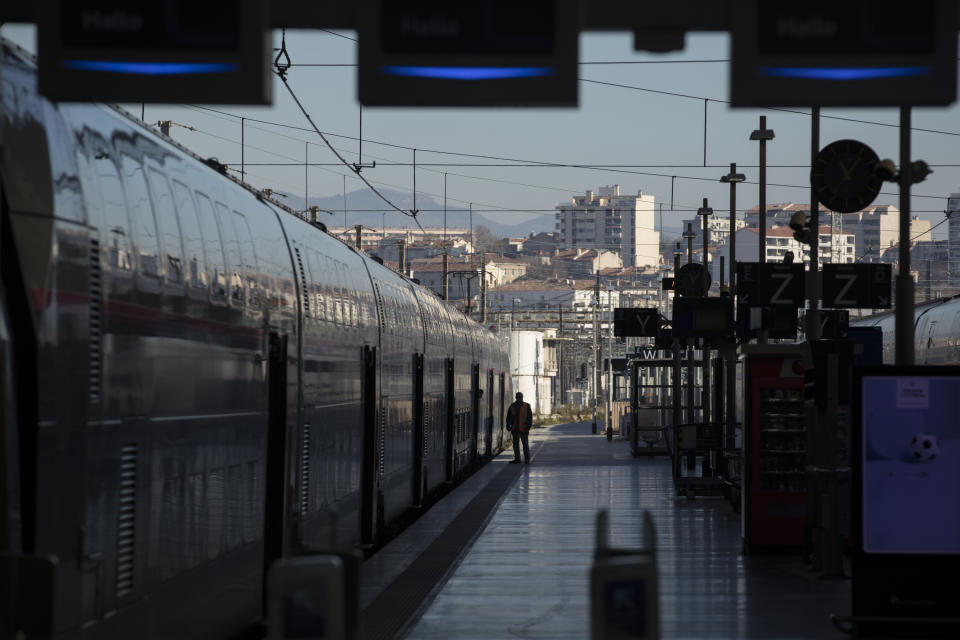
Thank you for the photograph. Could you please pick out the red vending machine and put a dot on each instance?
(775, 447)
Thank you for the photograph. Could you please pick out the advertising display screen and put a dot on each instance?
(909, 462)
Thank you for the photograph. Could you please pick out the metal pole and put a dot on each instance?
(466, 303)
(813, 323)
(733, 228)
(596, 354)
(762, 247)
(473, 249)
(706, 212)
(345, 206)
(483, 289)
(443, 285)
(560, 351)
(444, 211)
(904, 301)
(243, 162)
(705, 394)
(690, 236)
(763, 134)
(358, 228)
(401, 255)
(610, 369)
(691, 379)
(733, 178)
(306, 175)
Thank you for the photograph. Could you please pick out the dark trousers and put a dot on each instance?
(521, 436)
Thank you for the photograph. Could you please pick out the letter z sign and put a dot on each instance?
(636, 322)
(853, 286)
(770, 284)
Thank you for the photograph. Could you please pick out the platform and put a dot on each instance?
(526, 537)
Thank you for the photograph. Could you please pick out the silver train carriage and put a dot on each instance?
(196, 382)
(936, 332)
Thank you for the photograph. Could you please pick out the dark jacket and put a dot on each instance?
(520, 414)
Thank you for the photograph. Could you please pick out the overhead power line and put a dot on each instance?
(544, 164)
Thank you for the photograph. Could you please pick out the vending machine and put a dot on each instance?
(774, 447)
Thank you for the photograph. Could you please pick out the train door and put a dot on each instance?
(419, 438)
(450, 444)
(275, 497)
(488, 427)
(499, 409)
(368, 483)
(475, 413)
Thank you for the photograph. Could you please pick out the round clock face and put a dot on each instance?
(844, 176)
(692, 280)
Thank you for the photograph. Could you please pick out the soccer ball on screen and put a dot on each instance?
(924, 447)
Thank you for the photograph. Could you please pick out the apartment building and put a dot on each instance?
(607, 220)
(835, 247)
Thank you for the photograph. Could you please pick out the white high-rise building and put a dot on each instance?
(609, 221)
(953, 238)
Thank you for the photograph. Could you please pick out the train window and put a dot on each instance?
(350, 314)
(316, 288)
(231, 247)
(249, 253)
(116, 225)
(169, 227)
(212, 246)
(195, 261)
(138, 201)
(330, 276)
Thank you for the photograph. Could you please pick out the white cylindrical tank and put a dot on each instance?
(527, 369)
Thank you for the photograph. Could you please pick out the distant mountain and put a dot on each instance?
(366, 208)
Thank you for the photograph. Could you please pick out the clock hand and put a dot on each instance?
(845, 171)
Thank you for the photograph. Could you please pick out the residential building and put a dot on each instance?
(836, 247)
(876, 227)
(583, 263)
(780, 214)
(547, 294)
(609, 221)
(953, 238)
(718, 226)
(463, 274)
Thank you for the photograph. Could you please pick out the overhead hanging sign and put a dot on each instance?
(857, 286)
(770, 284)
(468, 54)
(635, 322)
(216, 52)
(850, 53)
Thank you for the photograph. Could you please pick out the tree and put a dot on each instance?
(483, 238)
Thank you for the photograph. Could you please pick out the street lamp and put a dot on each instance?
(762, 135)
(689, 235)
(733, 178)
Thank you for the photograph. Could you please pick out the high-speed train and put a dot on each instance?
(196, 381)
(936, 330)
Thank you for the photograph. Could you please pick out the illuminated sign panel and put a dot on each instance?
(849, 53)
(166, 51)
(482, 53)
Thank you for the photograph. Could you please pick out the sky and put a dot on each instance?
(648, 136)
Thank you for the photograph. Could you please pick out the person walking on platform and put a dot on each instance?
(519, 421)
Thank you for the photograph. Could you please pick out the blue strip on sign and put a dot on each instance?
(468, 73)
(844, 73)
(151, 68)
